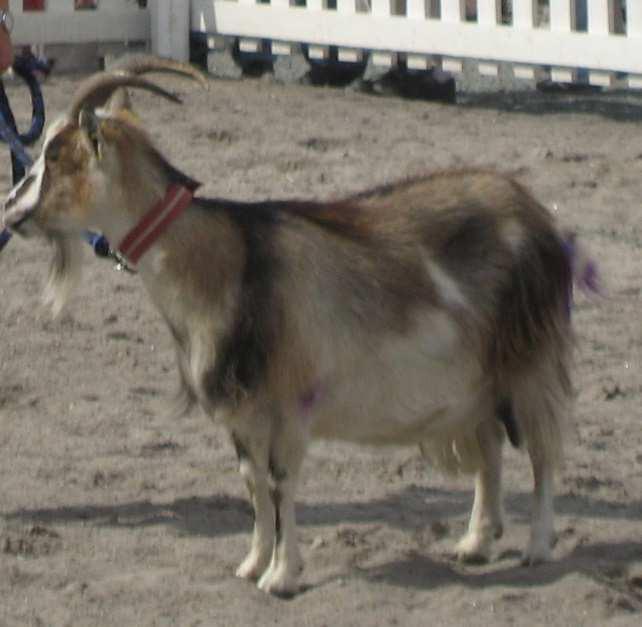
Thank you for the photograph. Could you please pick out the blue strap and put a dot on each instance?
(20, 159)
(98, 242)
(5, 236)
(17, 149)
(25, 66)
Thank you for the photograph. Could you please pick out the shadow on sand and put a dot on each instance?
(409, 509)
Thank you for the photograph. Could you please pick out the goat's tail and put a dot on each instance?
(584, 270)
(541, 395)
(541, 399)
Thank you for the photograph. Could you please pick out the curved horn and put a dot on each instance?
(97, 89)
(144, 64)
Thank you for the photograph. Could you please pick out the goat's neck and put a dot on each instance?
(127, 208)
(194, 267)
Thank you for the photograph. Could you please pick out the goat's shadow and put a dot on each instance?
(409, 509)
(604, 562)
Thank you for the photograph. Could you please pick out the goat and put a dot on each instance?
(430, 312)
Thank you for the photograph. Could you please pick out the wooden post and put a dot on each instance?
(452, 11)
(416, 9)
(170, 29)
(380, 8)
(489, 12)
(525, 14)
(634, 18)
(601, 21)
(634, 31)
(563, 16)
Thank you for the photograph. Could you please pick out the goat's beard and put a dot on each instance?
(64, 271)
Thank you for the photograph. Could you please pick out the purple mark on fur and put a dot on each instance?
(584, 272)
(310, 398)
(589, 279)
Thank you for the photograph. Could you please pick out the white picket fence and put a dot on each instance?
(60, 23)
(389, 28)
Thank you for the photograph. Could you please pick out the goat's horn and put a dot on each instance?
(144, 64)
(97, 89)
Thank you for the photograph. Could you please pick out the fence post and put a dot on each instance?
(634, 18)
(170, 29)
(634, 30)
(601, 17)
(452, 11)
(601, 21)
(489, 12)
(563, 18)
(349, 55)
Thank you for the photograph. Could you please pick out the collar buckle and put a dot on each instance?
(121, 262)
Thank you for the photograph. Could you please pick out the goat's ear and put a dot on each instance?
(119, 101)
(89, 122)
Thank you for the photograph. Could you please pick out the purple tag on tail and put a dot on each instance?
(583, 270)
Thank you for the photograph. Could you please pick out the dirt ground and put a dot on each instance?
(114, 513)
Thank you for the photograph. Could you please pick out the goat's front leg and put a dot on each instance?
(286, 457)
(253, 466)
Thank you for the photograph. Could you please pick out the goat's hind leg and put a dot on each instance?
(253, 466)
(541, 403)
(542, 529)
(486, 518)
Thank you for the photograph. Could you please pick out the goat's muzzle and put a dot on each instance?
(14, 222)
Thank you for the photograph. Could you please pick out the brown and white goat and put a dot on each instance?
(430, 312)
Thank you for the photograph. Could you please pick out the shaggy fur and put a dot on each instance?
(429, 312)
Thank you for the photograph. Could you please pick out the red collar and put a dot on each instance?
(155, 222)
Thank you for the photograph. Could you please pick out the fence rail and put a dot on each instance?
(431, 33)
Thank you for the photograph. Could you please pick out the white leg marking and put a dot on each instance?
(541, 541)
(253, 467)
(258, 558)
(281, 577)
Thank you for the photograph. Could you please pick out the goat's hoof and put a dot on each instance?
(278, 584)
(474, 558)
(535, 556)
(252, 567)
(539, 549)
(472, 549)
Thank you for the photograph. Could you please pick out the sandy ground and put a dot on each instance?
(113, 513)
